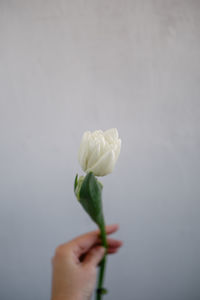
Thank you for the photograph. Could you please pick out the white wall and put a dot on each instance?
(67, 66)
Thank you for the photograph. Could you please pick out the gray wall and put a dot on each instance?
(68, 66)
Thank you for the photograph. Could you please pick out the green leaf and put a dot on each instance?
(75, 182)
(90, 198)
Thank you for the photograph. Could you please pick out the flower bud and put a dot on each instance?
(99, 151)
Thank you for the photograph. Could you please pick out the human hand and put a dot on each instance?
(75, 265)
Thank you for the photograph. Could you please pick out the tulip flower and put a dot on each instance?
(97, 156)
(99, 151)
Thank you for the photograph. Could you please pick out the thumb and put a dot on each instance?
(94, 256)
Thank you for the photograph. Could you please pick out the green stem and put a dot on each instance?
(102, 265)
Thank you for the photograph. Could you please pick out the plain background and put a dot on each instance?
(67, 66)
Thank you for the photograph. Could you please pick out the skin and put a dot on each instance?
(75, 265)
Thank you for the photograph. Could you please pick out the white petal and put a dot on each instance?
(94, 156)
(118, 149)
(102, 143)
(104, 165)
(112, 133)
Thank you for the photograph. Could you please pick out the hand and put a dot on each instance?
(75, 265)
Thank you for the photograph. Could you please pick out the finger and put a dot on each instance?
(111, 228)
(113, 246)
(83, 243)
(94, 256)
(112, 250)
(112, 243)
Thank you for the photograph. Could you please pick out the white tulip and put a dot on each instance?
(99, 151)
